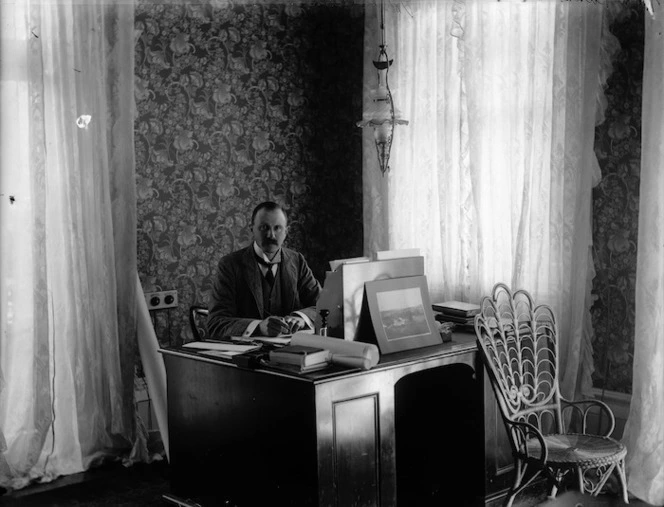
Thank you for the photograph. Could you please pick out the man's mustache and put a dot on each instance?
(272, 241)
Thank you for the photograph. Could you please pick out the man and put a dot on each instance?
(263, 289)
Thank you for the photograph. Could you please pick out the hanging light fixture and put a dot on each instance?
(380, 113)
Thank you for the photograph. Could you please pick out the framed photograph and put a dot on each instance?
(401, 314)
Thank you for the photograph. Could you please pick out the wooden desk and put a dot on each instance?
(259, 437)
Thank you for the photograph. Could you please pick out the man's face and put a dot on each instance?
(270, 230)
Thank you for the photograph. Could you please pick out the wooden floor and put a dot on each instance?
(108, 486)
(538, 498)
(575, 499)
(145, 485)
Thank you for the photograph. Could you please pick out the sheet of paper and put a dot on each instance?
(228, 354)
(397, 254)
(334, 264)
(221, 346)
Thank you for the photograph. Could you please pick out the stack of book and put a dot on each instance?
(300, 358)
(457, 312)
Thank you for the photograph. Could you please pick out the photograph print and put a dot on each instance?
(402, 313)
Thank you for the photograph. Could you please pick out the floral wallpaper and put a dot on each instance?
(238, 103)
(616, 207)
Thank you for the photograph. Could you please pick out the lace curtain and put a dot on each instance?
(644, 432)
(492, 179)
(68, 235)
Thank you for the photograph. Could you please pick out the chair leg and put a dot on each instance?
(579, 473)
(595, 485)
(514, 489)
(555, 479)
(519, 485)
(509, 499)
(620, 470)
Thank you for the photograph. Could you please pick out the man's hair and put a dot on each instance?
(267, 206)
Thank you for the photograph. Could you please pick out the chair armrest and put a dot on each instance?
(582, 409)
(521, 433)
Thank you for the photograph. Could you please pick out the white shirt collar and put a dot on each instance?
(259, 251)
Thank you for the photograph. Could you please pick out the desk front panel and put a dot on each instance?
(240, 436)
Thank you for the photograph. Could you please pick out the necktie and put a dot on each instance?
(269, 275)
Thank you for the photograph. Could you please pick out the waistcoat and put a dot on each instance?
(272, 300)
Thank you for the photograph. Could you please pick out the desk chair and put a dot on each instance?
(518, 343)
(197, 319)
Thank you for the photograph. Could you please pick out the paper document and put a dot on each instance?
(221, 346)
(228, 354)
(397, 254)
(334, 264)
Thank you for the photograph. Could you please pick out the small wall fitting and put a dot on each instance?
(161, 300)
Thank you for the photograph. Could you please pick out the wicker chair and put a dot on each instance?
(518, 343)
(197, 318)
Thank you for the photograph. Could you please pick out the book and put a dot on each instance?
(441, 317)
(457, 308)
(300, 355)
(293, 368)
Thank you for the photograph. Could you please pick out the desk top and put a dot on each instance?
(462, 343)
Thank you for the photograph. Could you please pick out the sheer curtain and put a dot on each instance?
(492, 179)
(644, 432)
(67, 226)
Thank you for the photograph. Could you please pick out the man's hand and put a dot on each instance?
(295, 323)
(273, 326)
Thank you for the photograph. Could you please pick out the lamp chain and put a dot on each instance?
(382, 24)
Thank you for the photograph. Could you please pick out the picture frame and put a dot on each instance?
(401, 314)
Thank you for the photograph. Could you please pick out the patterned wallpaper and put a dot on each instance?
(616, 206)
(237, 104)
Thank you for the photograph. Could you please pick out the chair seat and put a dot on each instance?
(587, 451)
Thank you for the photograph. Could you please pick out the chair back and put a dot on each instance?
(197, 319)
(518, 342)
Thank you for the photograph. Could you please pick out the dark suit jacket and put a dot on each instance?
(237, 295)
